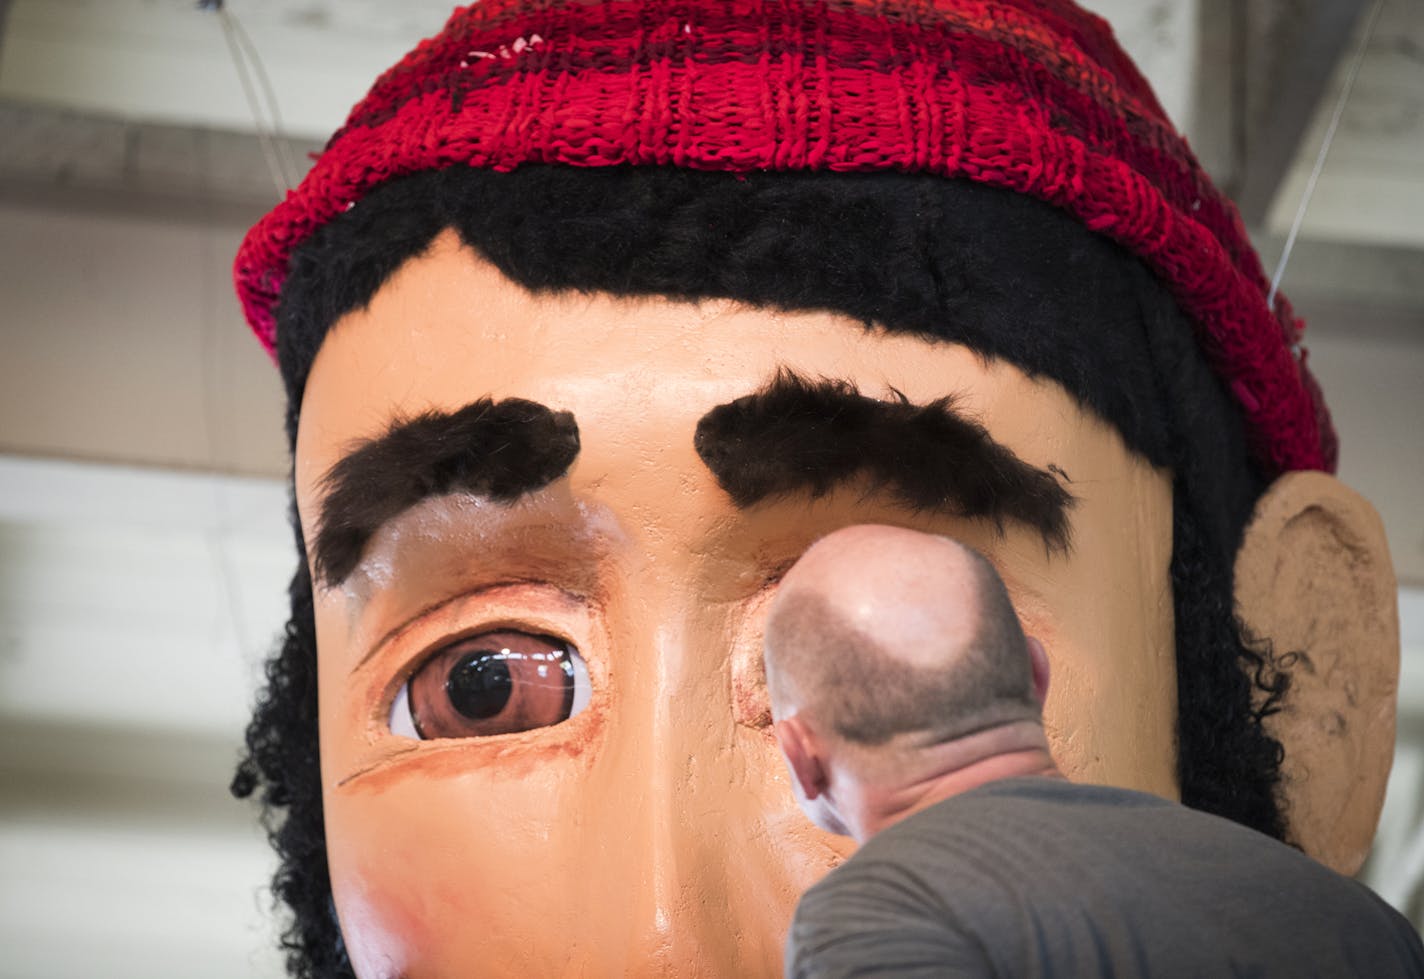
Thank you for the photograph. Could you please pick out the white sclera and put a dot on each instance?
(401, 722)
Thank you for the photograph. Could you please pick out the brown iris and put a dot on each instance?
(494, 683)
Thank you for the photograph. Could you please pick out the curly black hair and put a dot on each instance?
(1005, 275)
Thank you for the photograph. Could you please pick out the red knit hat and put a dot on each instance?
(1031, 95)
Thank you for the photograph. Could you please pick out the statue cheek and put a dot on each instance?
(379, 929)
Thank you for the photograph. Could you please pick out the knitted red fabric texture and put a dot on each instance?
(1031, 95)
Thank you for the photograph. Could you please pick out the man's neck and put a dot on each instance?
(956, 768)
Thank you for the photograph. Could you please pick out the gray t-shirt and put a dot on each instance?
(1041, 877)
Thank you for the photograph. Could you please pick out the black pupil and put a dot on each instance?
(479, 684)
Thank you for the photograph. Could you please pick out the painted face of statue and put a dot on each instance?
(544, 729)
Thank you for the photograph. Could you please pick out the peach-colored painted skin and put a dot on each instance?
(655, 833)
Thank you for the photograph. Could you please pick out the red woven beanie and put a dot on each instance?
(1030, 95)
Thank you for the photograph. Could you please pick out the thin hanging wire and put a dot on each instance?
(267, 121)
(1325, 145)
(292, 171)
(220, 534)
(281, 166)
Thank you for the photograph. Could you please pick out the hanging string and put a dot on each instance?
(234, 27)
(1325, 144)
(266, 119)
(282, 167)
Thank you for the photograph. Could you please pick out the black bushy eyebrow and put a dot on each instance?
(497, 450)
(801, 436)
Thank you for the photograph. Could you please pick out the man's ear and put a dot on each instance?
(1314, 579)
(803, 754)
(1038, 658)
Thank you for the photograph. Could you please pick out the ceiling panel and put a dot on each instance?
(167, 61)
(1371, 190)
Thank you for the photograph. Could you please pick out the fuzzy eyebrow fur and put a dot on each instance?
(801, 436)
(498, 450)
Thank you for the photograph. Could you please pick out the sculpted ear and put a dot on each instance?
(1313, 576)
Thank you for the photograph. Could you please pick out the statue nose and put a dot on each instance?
(693, 806)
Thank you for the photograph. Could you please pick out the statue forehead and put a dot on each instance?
(449, 327)
(668, 618)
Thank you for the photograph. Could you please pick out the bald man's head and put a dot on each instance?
(881, 631)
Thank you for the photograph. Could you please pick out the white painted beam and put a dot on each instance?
(167, 61)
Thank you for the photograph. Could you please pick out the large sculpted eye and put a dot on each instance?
(492, 683)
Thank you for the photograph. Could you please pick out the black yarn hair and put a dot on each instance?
(1005, 275)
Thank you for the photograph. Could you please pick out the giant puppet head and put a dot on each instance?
(595, 315)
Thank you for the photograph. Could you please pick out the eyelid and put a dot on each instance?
(488, 592)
